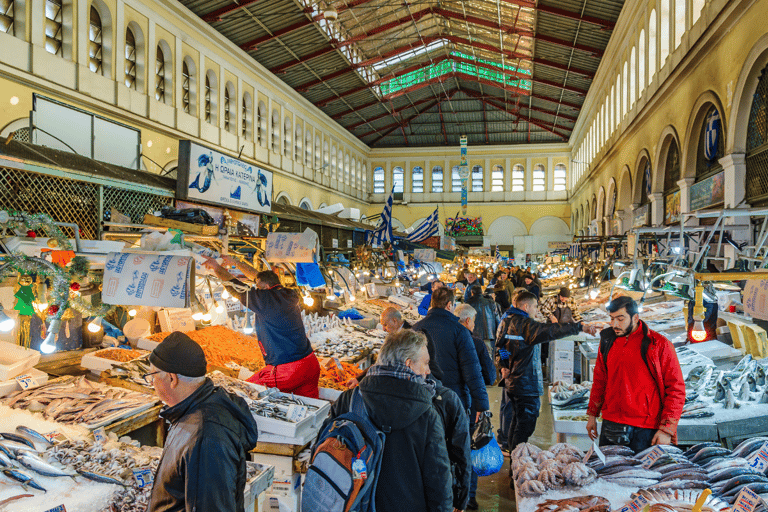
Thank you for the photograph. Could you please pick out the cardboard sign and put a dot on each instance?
(26, 381)
(54, 436)
(100, 435)
(60, 508)
(176, 319)
(747, 501)
(635, 505)
(144, 476)
(297, 412)
(292, 247)
(424, 254)
(147, 280)
(653, 456)
(755, 298)
(759, 460)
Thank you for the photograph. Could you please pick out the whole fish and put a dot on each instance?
(5, 461)
(726, 474)
(721, 391)
(42, 467)
(98, 477)
(23, 478)
(635, 473)
(743, 363)
(694, 407)
(701, 413)
(763, 396)
(33, 435)
(730, 400)
(15, 447)
(680, 484)
(756, 487)
(17, 438)
(617, 450)
(760, 375)
(752, 382)
(671, 468)
(708, 453)
(613, 470)
(14, 498)
(748, 446)
(725, 462)
(667, 460)
(685, 474)
(632, 482)
(666, 447)
(8, 453)
(741, 480)
(744, 392)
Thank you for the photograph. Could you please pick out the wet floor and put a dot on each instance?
(493, 492)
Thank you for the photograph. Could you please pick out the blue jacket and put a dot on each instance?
(453, 354)
(487, 368)
(424, 306)
(278, 325)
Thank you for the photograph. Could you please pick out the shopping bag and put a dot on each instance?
(483, 431)
(489, 459)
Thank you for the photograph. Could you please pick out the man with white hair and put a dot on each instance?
(210, 433)
(392, 320)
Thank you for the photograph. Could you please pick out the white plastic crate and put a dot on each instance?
(257, 485)
(97, 364)
(15, 360)
(9, 386)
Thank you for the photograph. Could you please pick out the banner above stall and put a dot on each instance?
(292, 247)
(147, 280)
(212, 177)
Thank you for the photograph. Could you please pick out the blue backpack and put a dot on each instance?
(345, 463)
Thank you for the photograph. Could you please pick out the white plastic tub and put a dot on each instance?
(14, 360)
(97, 364)
(9, 386)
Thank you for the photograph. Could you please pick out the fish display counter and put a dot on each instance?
(564, 478)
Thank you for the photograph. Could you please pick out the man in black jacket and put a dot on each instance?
(519, 348)
(211, 432)
(415, 469)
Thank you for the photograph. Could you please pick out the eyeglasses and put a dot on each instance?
(147, 376)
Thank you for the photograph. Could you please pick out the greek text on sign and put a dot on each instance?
(100, 435)
(26, 381)
(653, 456)
(297, 412)
(147, 280)
(759, 461)
(292, 247)
(144, 476)
(747, 501)
(635, 505)
(60, 508)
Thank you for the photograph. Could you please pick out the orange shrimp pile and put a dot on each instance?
(222, 345)
(331, 376)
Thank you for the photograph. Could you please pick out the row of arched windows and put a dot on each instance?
(661, 35)
(476, 179)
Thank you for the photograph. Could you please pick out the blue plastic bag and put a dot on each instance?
(488, 460)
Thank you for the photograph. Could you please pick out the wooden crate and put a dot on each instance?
(195, 229)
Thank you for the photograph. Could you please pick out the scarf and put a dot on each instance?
(400, 371)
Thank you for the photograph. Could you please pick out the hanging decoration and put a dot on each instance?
(464, 226)
(464, 175)
(712, 135)
(31, 223)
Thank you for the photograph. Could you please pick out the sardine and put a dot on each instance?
(33, 435)
(5, 461)
(8, 453)
(680, 484)
(15, 447)
(632, 482)
(743, 363)
(23, 478)
(98, 477)
(17, 438)
(41, 467)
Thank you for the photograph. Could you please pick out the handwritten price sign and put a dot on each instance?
(26, 381)
(144, 476)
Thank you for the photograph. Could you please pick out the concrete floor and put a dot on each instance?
(493, 492)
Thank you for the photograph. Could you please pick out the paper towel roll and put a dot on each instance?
(147, 280)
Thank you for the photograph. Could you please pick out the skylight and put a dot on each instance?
(410, 54)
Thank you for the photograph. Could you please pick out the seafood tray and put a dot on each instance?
(15, 359)
(11, 385)
(682, 500)
(97, 364)
(258, 484)
(118, 415)
(566, 426)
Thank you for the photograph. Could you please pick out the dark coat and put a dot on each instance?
(487, 367)
(203, 462)
(452, 354)
(486, 321)
(278, 325)
(523, 337)
(457, 441)
(415, 469)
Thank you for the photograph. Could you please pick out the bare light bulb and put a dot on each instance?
(132, 313)
(225, 295)
(207, 317)
(351, 298)
(219, 308)
(309, 301)
(48, 345)
(95, 325)
(594, 293)
(248, 329)
(6, 323)
(197, 316)
(698, 333)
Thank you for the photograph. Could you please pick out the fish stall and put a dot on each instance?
(706, 477)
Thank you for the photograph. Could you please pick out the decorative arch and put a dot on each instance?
(643, 158)
(305, 204)
(757, 59)
(189, 84)
(593, 211)
(704, 103)
(549, 225)
(18, 124)
(134, 78)
(668, 136)
(283, 198)
(600, 204)
(107, 35)
(230, 107)
(211, 97)
(261, 124)
(164, 73)
(611, 198)
(397, 225)
(506, 227)
(246, 117)
(287, 135)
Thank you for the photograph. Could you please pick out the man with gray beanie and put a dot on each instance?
(210, 434)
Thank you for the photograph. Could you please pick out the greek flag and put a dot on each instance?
(712, 135)
(425, 230)
(574, 252)
(383, 232)
(648, 183)
(498, 254)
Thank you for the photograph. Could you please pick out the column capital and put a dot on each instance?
(635, 206)
(658, 196)
(686, 182)
(619, 213)
(733, 160)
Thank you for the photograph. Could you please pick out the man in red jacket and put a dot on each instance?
(638, 385)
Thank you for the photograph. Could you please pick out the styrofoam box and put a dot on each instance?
(9, 386)
(330, 394)
(15, 360)
(257, 485)
(282, 464)
(562, 345)
(277, 503)
(146, 344)
(97, 364)
(286, 487)
(562, 366)
(562, 355)
(562, 426)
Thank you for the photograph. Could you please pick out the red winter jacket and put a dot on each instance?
(626, 392)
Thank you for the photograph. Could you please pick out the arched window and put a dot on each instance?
(287, 136)
(680, 12)
(378, 180)
(297, 139)
(343, 168)
(641, 64)
(698, 6)
(632, 78)
(477, 178)
(617, 105)
(560, 178)
(185, 86)
(652, 37)
(229, 119)
(95, 42)
(611, 112)
(671, 188)
(365, 177)
(645, 188)
(417, 180)
(664, 31)
(308, 147)
(159, 75)
(211, 92)
(497, 178)
(518, 178)
(624, 91)
(757, 142)
(711, 147)
(455, 179)
(261, 124)
(326, 160)
(6, 16)
(437, 180)
(276, 131)
(539, 178)
(304, 205)
(54, 27)
(398, 181)
(318, 153)
(334, 165)
(346, 168)
(130, 59)
(246, 130)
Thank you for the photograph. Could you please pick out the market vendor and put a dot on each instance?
(638, 385)
(392, 320)
(210, 434)
(292, 366)
(427, 300)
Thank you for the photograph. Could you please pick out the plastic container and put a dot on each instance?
(14, 360)
(135, 329)
(9, 386)
(97, 364)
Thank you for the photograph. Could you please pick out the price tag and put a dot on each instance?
(338, 364)
(746, 501)
(100, 435)
(598, 452)
(653, 456)
(297, 412)
(759, 461)
(54, 436)
(26, 381)
(144, 476)
(635, 505)
(60, 508)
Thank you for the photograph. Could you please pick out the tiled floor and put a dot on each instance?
(493, 492)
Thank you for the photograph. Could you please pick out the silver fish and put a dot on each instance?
(760, 375)
(744, 392)
(42, 467)
(17, 447)
(5, 461)
(763, 397)
(98, 477)
(632, 482)
(17, 438)
(730, 400)
(635, 473)
(33, 435)
(23, 478)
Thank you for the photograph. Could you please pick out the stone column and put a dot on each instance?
(735, 168)
(685, 199)
(620, 228)
(657, 209)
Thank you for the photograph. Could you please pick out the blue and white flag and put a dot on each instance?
(498, 254)
(383, 232)
(712, 135)
(425, 230)
(648, 183)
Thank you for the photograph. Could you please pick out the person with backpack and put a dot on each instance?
(384, 444)
(638, 385)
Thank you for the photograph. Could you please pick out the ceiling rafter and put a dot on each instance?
(216, 15)
(392, 114)
(556, 11)
(591, 50)
(394, 126)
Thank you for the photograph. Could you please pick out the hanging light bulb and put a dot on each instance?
(6, 323)
(248, 329)
(698, 333)
(95, 325)
(197, 311)
(351, 298)
(218, 306)
(207, 316)
(132, 313)
(49, 343)
(593, 293)
(225, 294)
(308, 300)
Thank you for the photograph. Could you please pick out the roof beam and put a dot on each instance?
(605, 24)
(542, 125)
(445, 13)
(595, 52)
(412, 118)
(563, 67)
(475, 96)
(576, 90)
(217, 14)
(393, 113)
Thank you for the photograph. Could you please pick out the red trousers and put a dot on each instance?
(299, 377)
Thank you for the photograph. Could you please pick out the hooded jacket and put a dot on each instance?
(452, 351)
(278, 325)
(203, 463)
(522, 338)
(486, 320)
(457, 440)
(415, 469)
